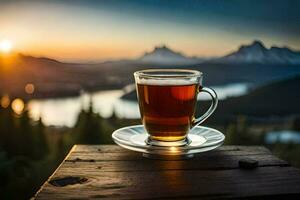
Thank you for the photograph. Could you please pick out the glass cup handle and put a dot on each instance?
(211, 109)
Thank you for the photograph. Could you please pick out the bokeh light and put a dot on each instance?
(18, 106)
(29, 88)
(5, 101)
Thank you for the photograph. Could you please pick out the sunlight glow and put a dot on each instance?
(174, 149)
(6, 46)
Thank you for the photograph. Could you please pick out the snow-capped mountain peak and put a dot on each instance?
(164, 55)
(256, 52)
(256, 46)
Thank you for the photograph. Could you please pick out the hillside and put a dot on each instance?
(52, 78)
(278, 98)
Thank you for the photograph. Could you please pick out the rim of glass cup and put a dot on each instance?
(163, 73)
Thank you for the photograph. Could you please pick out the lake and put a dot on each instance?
(64, 111)
(283, 136)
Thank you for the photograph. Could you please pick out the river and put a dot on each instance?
(64, 111)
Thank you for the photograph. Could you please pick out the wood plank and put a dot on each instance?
(79, 153)
(214, 163)
(179, 184)
(110, 172)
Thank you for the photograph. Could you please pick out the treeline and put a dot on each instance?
(20, 136)
(23, 145)
(31, 151)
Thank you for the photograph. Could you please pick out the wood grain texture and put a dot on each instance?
(110, 172)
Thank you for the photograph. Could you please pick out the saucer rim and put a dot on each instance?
(185, 149)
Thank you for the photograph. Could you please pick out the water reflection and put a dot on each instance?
(63, 112)
(283, 136)
(232, 90)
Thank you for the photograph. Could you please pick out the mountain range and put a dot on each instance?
(256, 52)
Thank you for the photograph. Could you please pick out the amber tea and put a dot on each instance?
(167, 111)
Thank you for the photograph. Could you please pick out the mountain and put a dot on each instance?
(164, 55)
(50, 78)
(256, 52)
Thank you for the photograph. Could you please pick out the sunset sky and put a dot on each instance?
(96, 30)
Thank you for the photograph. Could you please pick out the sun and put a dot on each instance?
(5, 46)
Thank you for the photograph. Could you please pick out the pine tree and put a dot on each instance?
(88, 128)
(7, 131)
(40, 141)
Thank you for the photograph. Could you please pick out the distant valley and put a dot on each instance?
(251, 63)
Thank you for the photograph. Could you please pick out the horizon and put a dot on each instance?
(93, 31)
(95, 61)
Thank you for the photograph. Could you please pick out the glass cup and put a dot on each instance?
(167, 100)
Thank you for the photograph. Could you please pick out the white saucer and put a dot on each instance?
(201, 139)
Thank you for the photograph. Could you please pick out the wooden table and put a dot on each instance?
(110, 172)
